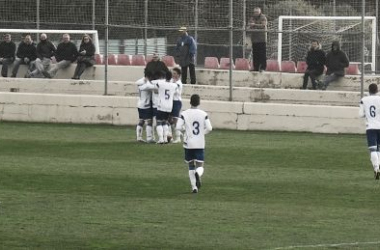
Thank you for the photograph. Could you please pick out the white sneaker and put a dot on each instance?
(160, 142)
(140, 139)
(178, 140)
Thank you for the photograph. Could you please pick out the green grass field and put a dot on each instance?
(94, 187)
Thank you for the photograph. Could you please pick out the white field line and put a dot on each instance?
(330, 245)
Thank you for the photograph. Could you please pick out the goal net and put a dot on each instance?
(55, 36)
(295, 34)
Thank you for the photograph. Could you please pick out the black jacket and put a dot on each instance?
(154, 67)
(27, 51)
(336, 61)
(88, 47)
(316, 59)
(66, 51)
(45, 49)
(7, 50)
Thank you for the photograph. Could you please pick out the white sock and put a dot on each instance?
(139, 130)
(192, 179)
(170, 131)
(149, 133)
(178, 135)
(200, 171)
(375, 161)
(165, 129)
(160, 133)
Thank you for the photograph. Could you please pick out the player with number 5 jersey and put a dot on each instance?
(196, 124)
(370, 109)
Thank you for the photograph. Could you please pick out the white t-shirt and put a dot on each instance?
(370, 109)
(166, 92)
(145, 94)
(178, 93)
(197, 125)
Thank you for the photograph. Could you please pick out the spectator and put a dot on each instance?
(86, 56)
(258, 25)
(26, 54)
(185, 55)
(155, 66)
(336, 62)
(7, 53)
(66, 54)
(315, 60)
(45, 51)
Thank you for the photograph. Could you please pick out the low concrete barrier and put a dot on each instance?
(274, 80)
(117, 110)
(219, 93)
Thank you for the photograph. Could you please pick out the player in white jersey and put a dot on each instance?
(177, 104)
(145, 109)
(166, 92)
(370, 109)
(196, 124)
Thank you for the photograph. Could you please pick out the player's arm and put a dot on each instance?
(361, 109)
(147, 86)
(208, 127)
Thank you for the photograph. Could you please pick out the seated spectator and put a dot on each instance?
(26, 54)
(156, 66)
(86, 56)
(315, 60)
(65, 55)
(336, 62)
(45, 51)
(7, 53)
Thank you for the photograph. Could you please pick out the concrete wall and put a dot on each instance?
(117, 110)
(219, 93)
(217, 77)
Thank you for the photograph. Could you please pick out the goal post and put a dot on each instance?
(76, 34)
(346, 23)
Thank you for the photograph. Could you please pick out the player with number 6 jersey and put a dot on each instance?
(196, 124)
(370, 109)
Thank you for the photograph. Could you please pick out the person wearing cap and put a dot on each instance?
(7, 54)
(185, 55)
(155, 66)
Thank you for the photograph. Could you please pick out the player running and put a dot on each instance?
(196, 125)
(370, 109)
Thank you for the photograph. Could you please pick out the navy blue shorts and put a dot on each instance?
(197, 154)
(162, 116)
(145, 113)
(154, 112)
(373, 137)
(177, 105)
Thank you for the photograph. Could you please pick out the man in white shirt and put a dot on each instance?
(370, 109)
(196, 125)
(177, 104)
(145, 109)
(166, 92)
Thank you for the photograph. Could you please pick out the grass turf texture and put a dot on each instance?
(94, 187)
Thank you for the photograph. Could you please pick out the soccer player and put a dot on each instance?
(166, 92)
(370, 109)
(145, 109)
(196, 125)
(177, 104)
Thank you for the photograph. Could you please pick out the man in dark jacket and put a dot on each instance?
(26, 54)
(7, 53)
(315, 60)
(66, 54)
(258, 26)
(45, 51)
(185, 55)
(155, 66)
(336, 62)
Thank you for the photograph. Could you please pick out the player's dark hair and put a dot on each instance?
(372, 89)
(148, 74)
(195, 100)
(177, 70)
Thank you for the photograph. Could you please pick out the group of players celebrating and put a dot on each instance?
(160, 98)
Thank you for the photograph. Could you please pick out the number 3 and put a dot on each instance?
(196, 128)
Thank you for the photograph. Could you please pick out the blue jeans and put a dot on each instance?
(330, 78)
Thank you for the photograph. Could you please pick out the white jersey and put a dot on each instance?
(145, 94)
(197, 125)
(178, 93)
(166, 92)
(370, 109)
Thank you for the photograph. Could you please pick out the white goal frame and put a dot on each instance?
(371, 18)
(93, 33)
